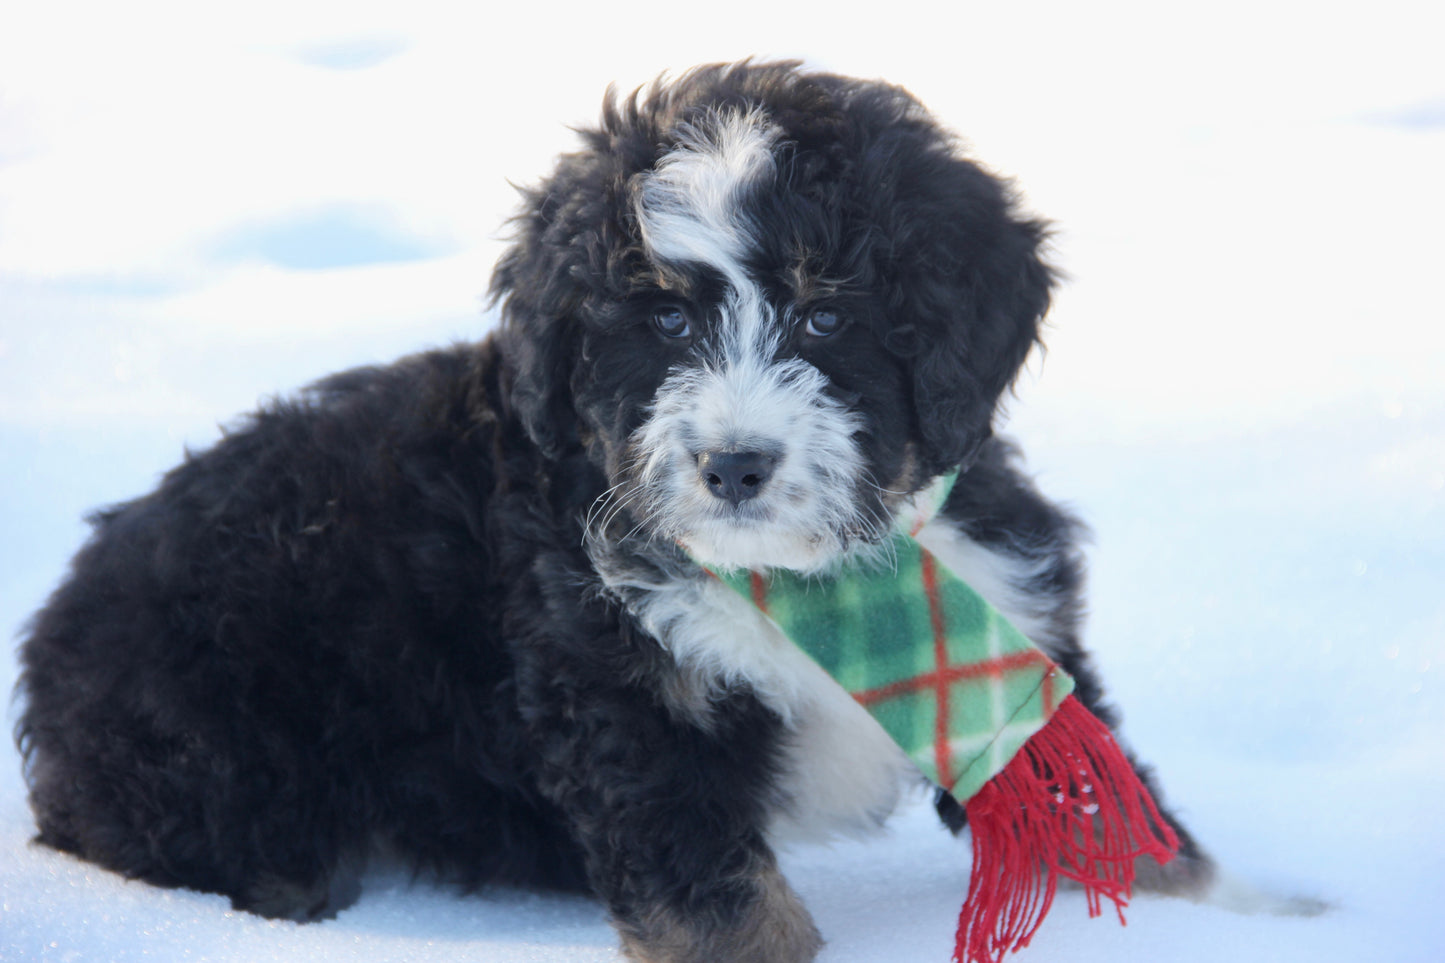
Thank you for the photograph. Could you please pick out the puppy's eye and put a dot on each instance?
(672, 322)
(824, 322)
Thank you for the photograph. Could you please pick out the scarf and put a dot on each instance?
(985, 715)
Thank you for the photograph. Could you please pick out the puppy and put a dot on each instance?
(453, 608)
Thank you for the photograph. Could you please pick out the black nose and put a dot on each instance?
(736, 475)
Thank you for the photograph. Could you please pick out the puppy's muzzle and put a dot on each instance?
(736, 476)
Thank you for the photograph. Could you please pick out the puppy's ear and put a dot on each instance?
(541, 282)
(533, 342)
(531, 339)
(971, 284)
(995, 321)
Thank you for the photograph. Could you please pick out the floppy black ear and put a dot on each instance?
(535, 343)
(555, 265)
(994, 324)
(971, 287)
(573, 250)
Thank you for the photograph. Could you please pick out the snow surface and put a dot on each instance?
(1242, 394)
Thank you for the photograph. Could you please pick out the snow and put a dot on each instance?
(1241, 395)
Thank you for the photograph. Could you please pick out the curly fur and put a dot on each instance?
(443, 608)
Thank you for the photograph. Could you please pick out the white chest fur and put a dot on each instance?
(842, 774)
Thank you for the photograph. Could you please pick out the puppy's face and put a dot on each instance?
(764, 443)
(780, 305)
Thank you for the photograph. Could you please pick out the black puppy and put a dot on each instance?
(453, 609)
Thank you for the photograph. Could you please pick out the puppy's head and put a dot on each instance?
(771, 305)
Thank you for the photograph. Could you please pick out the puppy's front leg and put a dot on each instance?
(755, 918)
(669, 811)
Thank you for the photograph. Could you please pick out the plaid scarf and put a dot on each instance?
(988, 717)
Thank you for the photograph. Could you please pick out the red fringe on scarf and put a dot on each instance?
(1068, 804)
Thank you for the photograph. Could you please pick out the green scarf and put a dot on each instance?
(986, 715)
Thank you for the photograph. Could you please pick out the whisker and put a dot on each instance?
(621, 503)
(600, 503)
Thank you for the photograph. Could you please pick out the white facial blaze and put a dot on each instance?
(688, 209)
(690, 212)
(738, 394)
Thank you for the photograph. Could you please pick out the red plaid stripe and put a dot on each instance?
(944, 675)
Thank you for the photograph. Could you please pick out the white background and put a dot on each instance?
(202, 205)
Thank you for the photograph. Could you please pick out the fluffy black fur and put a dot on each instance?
(370, 618)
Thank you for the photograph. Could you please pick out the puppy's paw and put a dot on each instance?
(277, 898)
(771, 927)
(1242, 896)
(1194, 876)
(1189, 875)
